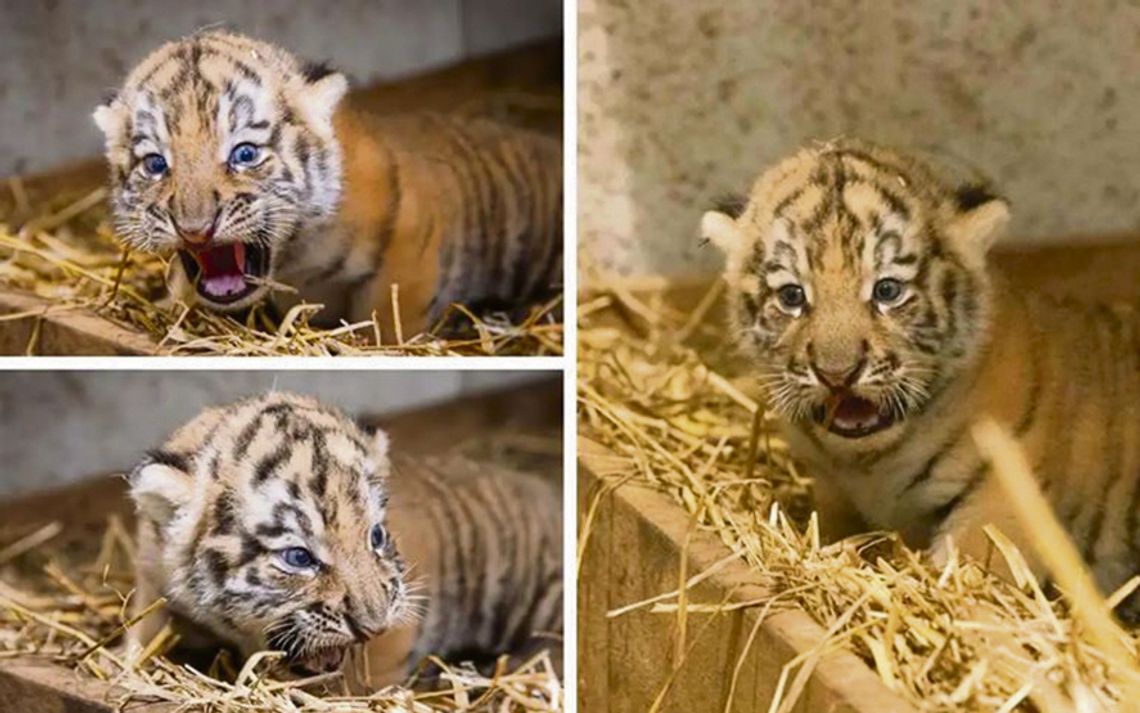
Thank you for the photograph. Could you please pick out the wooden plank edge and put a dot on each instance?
(44, 687)
(840, 679)
(64, 330)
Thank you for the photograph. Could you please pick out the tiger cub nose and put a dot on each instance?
(838, 378)
(195, 233)
(835, 374)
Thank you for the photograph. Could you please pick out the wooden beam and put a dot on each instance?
(49, 329)
(38, 686)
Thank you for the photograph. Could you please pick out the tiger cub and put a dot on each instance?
(246, 163)
(859, 286)
(277, 523)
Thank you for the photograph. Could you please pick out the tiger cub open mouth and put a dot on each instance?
(226, 273)
(851, 416)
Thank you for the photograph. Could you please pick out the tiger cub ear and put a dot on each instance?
(718, 226)
(981, 217)
(321, 92)
(161, 486)
(380, 456)
(110, 117)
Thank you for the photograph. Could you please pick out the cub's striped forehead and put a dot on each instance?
(214, 81)
(846, 206)
(284, 463)
(214, 85)
(211, 59)
(847, 182)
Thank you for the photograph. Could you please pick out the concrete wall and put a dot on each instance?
(60, 426)
(680, 101)
(58, 58)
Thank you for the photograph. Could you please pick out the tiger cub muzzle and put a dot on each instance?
(845, 411)
(316, 639)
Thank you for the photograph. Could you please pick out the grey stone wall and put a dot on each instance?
(60, 426)
(680, 101)
(58, 58)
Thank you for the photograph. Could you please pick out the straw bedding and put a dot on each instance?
(60, 247)
(953, 639)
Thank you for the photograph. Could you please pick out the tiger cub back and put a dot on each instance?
(277, 523)
(489, 546)
(470, 213)
(860, 287)
(245, 164)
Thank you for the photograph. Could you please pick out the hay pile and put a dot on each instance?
(60, 247)
(953, 639)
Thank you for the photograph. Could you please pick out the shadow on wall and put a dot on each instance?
(57, 426)
(681, 102)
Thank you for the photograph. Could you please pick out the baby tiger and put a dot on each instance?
(859, 286)
(245, 163)
(278, 523)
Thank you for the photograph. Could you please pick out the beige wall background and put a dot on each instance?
(681, 101)
(60, 426)
(58, 58)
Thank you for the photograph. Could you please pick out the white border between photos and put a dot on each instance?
(570, 355)
(283, 363)
(566, 363)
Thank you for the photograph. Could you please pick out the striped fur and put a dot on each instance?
(468, 560)
(337, 204)
(955, 346)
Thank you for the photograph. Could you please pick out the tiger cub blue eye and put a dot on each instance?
(791, 296)
(379, 537)
(154, 164)
(887, 290)
(298, 557)
(244, 155)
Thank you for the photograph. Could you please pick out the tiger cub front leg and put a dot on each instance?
(965, 530)
(403, 293)
(837, 515)
(387, 658)
(148, 586)
(146, 629)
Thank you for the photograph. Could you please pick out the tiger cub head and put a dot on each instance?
(221, 149)
(267, 519)
(857, 283)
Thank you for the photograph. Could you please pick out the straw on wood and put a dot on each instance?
(946, 639)
(61, 249)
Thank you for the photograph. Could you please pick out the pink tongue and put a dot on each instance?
(223, 285)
